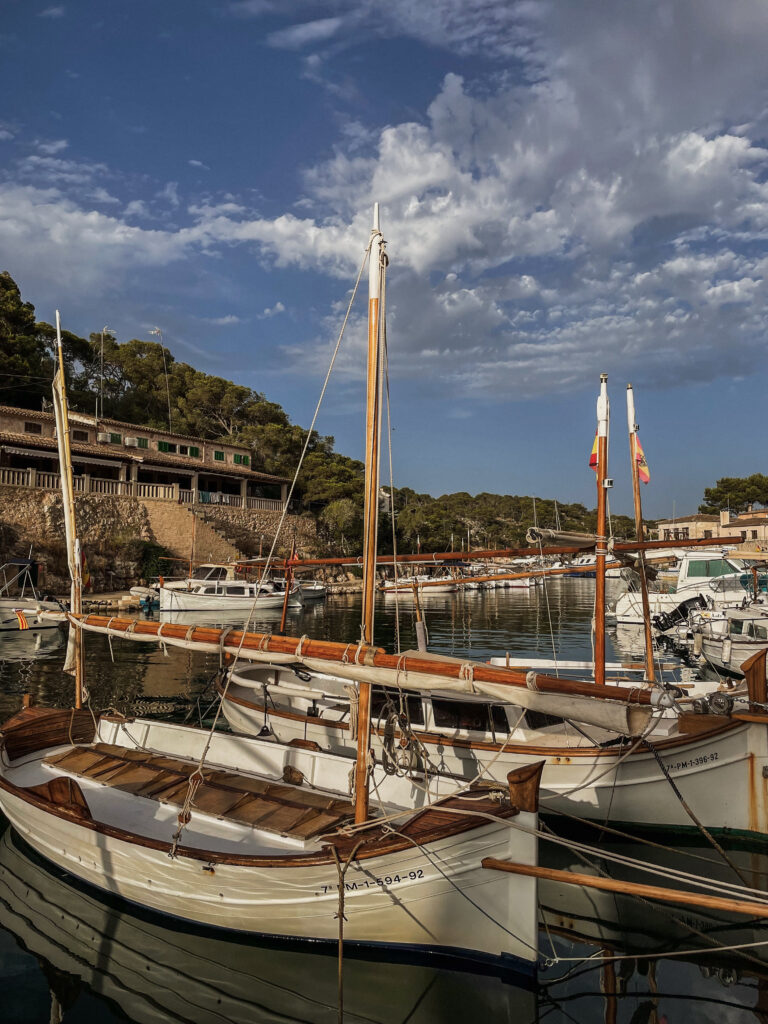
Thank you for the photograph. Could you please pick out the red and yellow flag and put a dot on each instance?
(643, 471)
(593, 455)
(23, 624)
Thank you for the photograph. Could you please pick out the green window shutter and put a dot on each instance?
(246, 460)
(162, 446)
(194, 452)
(218, 456)
(115, 439)
(143, 442)
(238, 458)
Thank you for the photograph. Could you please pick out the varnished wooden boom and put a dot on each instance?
(331, 651)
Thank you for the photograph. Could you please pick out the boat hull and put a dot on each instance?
(719, 773)
(429, 894)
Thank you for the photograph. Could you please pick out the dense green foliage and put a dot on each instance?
(735, 493)
(201, 405)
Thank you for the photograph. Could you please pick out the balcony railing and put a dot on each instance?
(138, 489)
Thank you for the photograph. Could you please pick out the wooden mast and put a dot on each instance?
(632, 425)
(74, 556)
(370, 515)
(601, 549)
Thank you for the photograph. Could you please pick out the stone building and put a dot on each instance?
(750, 526)
(114, 458)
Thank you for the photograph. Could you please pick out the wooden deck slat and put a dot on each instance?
(276, 807)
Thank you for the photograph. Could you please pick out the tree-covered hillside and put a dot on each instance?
(202, 405)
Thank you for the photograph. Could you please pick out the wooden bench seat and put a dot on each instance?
(279, 808)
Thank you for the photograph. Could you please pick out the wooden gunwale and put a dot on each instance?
(372, 656)
(378, 845)
(416, 830)
(516, 748)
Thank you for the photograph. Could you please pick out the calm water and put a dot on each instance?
(68, 953)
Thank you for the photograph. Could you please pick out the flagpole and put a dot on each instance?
(633, 454)
(603, 412)
(377, 260)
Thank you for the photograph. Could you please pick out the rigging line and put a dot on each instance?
(658, 908)
(549, 613)
(704, 831)
(196, 777)
(596, 959)
(638, 839)
(385, 352)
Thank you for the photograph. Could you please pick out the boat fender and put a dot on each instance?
(293, 776)
(697, 643)
(725, 651)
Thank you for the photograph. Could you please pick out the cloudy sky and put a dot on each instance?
(567, 188)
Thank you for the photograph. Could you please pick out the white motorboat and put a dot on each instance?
(727, 641)
(721, 579)
(226, 595)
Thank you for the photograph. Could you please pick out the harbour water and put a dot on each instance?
(71, 954)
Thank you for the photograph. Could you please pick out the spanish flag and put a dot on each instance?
(642, 464)
(593, 455)
(23, 624)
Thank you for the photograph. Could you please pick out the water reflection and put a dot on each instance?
(100, 960)
(80, 941)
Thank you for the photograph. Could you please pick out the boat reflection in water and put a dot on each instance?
(86, 941)
(85, 946)
(628, 959)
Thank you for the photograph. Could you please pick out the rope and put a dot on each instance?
(186, 809)
(704, 831)
(354, 705)
(341, 870)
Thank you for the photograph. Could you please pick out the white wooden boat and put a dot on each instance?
(226, 595)
(101, 799)
(588, 771)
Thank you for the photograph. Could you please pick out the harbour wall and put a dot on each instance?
(122, 535)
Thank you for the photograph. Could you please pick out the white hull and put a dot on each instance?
(187, 601)
(208, 978)
(433, 895)
(718, 773)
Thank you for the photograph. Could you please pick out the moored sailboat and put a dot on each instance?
(259, 837)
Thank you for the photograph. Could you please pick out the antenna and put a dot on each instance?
(158, 332)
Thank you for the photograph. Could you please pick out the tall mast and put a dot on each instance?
(633, 454)
(377, 262)
(74, 558)
(601, 545)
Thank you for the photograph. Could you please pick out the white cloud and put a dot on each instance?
(310, 32)
(52, 147)
(52, 12)
(223, 321)
(271, 311)
(198, 163)
(595, 204)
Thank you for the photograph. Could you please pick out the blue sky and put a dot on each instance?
(567, 188)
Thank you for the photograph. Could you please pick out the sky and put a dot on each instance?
(566, 188)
